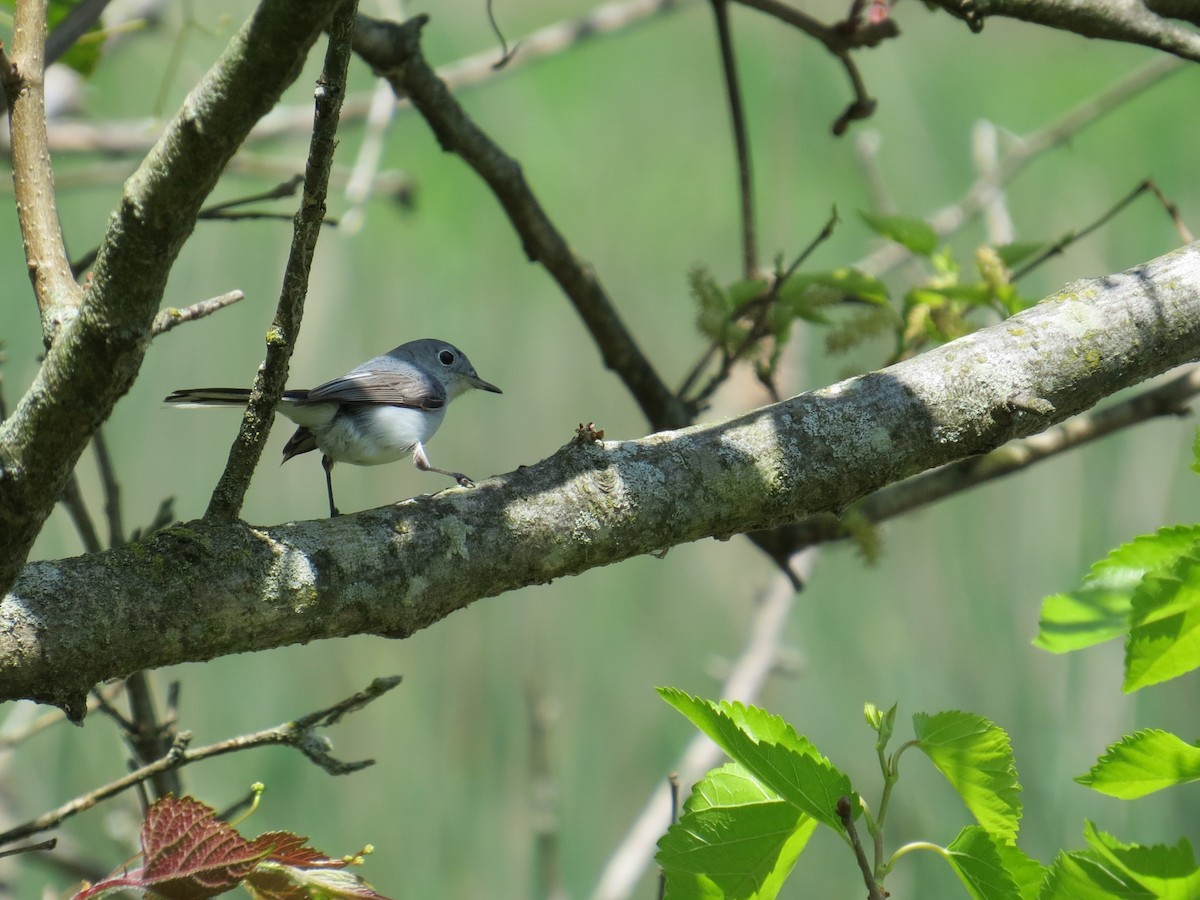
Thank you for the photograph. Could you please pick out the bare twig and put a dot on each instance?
(10, 738)
(839, 39)
(112, 490)
(950, 218)
(170, 317)
(57, 294)
(300, 734)
(148, 738)
(72, 501)
(395, 52)
(1058, 246)
(845, 811)
(1131, 23)
(230, 492)
(635, 852)
(543, 801)
(29, 848)
(741, 141)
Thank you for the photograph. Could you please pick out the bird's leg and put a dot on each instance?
(327, 465)
(422, 462)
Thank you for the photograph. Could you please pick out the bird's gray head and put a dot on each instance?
(447, 362)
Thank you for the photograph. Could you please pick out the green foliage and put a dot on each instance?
(1100, 608)
(914, 234)
(747, 823)
(1113, 869)
(1142, 763)
(976, 758)
(737, 839)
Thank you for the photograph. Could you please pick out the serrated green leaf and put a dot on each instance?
(736, 839)
(1085, 875)
(975, 857)
(771, 751)
(975, 756)
(1164, 640)
(1099, 610)
(1142, 763)
(1167, 872)
(1018, 251)
(1027, 872)
(1082, 618)
(914, 234)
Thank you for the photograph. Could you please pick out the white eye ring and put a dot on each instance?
(446, 357)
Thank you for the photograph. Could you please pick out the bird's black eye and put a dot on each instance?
(446, 357)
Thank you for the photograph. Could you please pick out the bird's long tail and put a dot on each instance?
(221, 396)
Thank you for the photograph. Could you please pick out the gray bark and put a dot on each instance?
(204, 589)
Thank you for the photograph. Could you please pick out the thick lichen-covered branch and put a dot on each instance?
(96, 357)
(201, 590)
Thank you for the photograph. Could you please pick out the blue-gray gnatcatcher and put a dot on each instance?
(376, 413)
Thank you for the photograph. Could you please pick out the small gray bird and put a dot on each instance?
(376, 413)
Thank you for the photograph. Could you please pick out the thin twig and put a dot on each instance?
(23, 76)
(845, 812)
(72, 500)
(29, 848)
(170, 317)
(148, 738)
(1072, 237)
(112, 490)
(951, 218)
(395, 53)
(48, 719)
(230, 491)
(741, 141)
(299, 734)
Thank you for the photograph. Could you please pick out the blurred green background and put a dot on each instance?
(625, 141)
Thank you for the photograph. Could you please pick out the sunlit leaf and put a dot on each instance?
(1164, 640)
(1142, 763)
(735, 839)
(1167, 872)
(771, 751)
(976, 758)
(975, 857)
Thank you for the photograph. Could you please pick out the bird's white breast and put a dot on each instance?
(370, 435)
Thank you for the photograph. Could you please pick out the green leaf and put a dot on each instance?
(1167, 872)
(914, 234)
(1142, 763)
(1027, 872)
(1082, 618)
(975, 857)
(736, 839)
(771, 751)
(1164, 641)
(1085, 875)
(1017, 252)
(807, 288)
(1100, 609)
(976, 758)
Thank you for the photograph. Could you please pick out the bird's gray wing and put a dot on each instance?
(395, 388)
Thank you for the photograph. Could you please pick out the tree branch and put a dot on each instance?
(269, 384)
(54, 288)
(394, 51)
(1114, 20)
(176, 597)
(98, 354)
